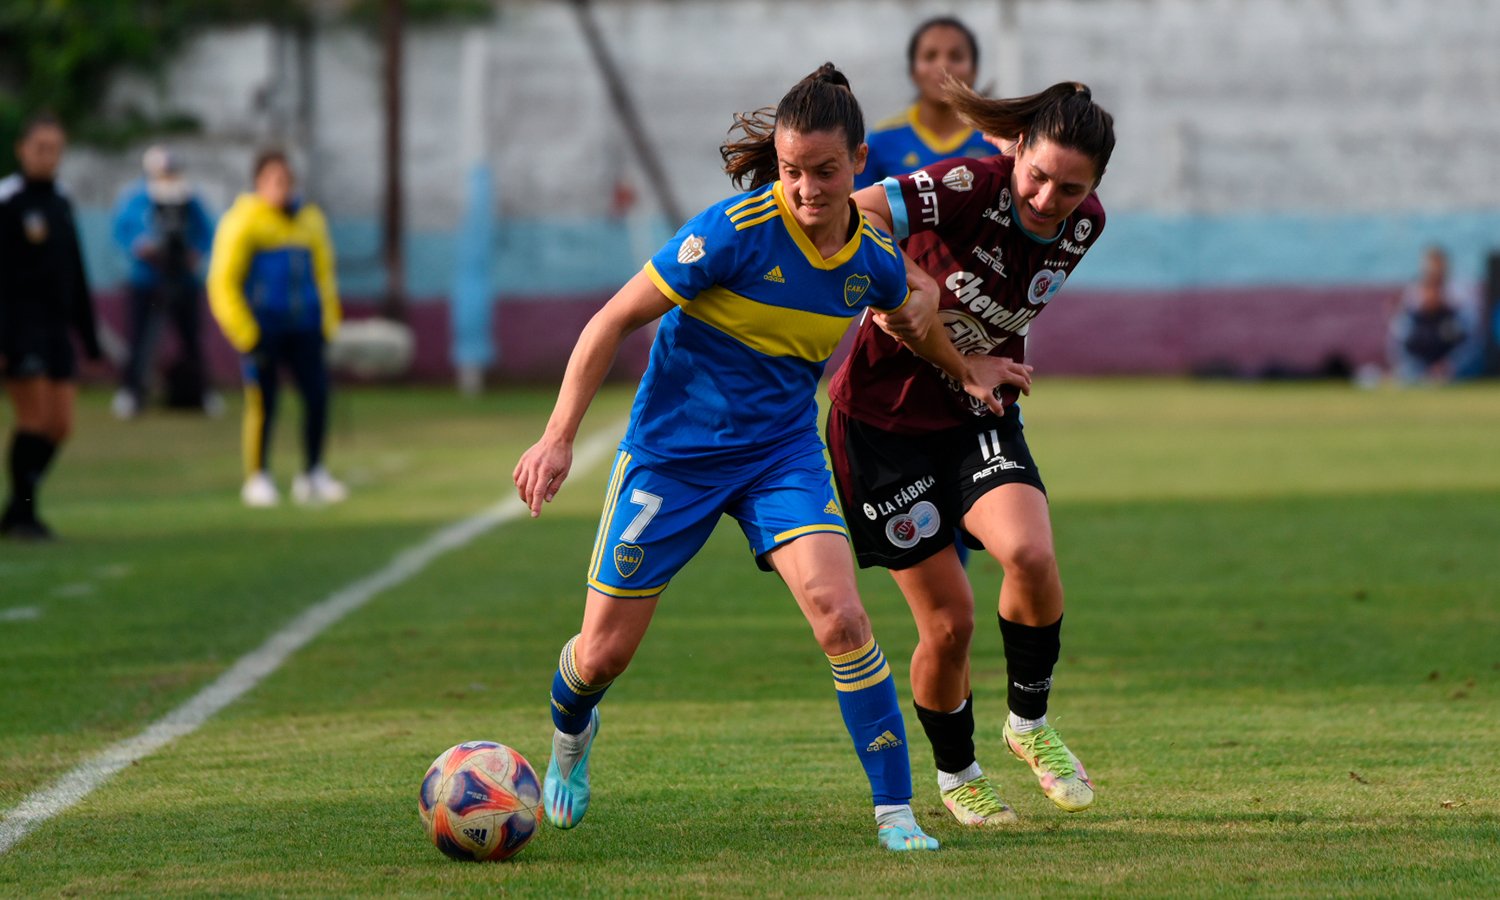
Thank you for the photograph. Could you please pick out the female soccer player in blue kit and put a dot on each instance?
(930, 129)
(754, 294)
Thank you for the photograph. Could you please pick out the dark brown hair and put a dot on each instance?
(823, 101)
(1064, 114)
(43, 119)
(941, 22)
(267, 157)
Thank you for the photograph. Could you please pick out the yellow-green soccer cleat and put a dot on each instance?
(1061, 775)
(905, 834)
(976, 803)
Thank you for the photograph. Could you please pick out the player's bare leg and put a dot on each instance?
(1016, 528)
(942, 603)
(612, 631)
(820, 573)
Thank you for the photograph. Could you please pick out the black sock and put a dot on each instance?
(1030, 654)
(951, 736)
(30, 452)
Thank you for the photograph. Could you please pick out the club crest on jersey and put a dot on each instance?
(1045, 284)
(1004, 200)
(690, 250)
(855, 287)
(35, 226)
(960, 179)
(628, 558)
(1083, 229)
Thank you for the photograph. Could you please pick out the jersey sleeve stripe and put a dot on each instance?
(731, 210)
(874, 235)
(769, 329)
(900, 224)
(741, 226)
(749, 211)
(661, 285)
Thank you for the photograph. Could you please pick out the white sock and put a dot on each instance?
(1023, 726)
(894, 814)
(568, 747)
(947, 781)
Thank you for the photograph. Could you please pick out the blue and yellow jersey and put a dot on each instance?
(732, 382)
(901, 144)
(272, 270)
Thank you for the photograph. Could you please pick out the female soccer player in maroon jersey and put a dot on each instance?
(914, 454)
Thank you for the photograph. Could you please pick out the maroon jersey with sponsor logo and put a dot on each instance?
(994, 277)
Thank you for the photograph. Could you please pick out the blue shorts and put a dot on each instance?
(653, 523)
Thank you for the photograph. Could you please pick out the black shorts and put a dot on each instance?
(904, 494)
(35, 351)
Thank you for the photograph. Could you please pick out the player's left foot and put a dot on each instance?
(902, 833)
(317, 486)
(1060, 773)
(977, 803)
(565, 790)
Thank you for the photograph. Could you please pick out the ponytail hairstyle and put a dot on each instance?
(941, 22)
(823, 101)
(1064, 114)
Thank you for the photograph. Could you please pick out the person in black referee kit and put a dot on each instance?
(44, 294)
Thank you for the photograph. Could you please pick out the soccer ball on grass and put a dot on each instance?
(479, 801)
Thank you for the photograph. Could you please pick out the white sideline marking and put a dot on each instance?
(20, 614)
(252, 668)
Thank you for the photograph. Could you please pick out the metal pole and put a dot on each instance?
(393, 16)
(624, 106)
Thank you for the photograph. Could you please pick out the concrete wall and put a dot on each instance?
(1307, 144)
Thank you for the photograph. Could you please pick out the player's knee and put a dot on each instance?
(1029, 560)
(842, 628)
(949, 635)
(601, 663)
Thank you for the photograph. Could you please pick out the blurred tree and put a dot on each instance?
(60, 55)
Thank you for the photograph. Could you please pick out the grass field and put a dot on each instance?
(1281, 665)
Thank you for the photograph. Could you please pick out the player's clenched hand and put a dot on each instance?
(987, 373)
(911, 322)
(541, 472)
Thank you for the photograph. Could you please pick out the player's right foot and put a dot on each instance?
(977, 803)
(903, 834)
(1060, 773)
(565, 790)
(260, 491)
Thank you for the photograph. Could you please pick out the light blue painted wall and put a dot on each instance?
(1139, 251)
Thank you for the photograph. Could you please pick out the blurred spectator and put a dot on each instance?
(271, 287)
(1432, 333)
(162, 226)
(44, 295)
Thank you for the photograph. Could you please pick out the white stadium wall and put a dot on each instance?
(1298, 154)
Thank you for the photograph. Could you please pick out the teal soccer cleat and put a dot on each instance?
(565, 791)
(905, 834)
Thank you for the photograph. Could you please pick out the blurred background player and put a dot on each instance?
(916, 454)
(755, 293)
(44, 293)
(271, 287)
(930, 129)
(164, 229)
(1434, 334)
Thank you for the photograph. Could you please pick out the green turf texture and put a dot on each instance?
(1281, 665)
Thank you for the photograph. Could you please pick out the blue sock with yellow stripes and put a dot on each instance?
(867, 698)
(572, 697)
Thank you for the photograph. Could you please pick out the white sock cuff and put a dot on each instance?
(947, 781)
(1023, 726)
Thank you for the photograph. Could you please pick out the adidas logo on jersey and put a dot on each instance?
(832, 509)
(776, 276)
(884, 742)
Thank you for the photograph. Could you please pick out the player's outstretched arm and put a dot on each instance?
(542, 469)
(979, 374)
